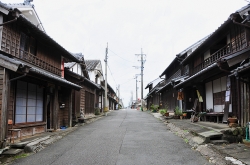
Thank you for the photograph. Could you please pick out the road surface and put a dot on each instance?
(124, 137)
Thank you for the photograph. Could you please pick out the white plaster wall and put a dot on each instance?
(209, 95)
(74, 68)
(92, 76)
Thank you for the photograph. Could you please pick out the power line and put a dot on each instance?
(127, 81)
(120, 56)
(112, 75)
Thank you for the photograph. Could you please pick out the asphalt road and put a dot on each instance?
(124, 137)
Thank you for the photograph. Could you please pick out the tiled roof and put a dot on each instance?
(194, 46)
(79, 56)
(39, 71)
(69, 64)
(5, 6)
(241, 68)
(197, 74)
(54, 77)
(215, 33)
(91, 64)
(93, 83)
(19, 5)
(44, 36)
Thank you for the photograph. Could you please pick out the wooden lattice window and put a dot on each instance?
(10, 40)
(28, 44)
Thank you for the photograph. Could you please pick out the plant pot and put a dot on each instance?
(167, 114)
(184, 115)
(232, 120)
(176, 117)
(181, 117)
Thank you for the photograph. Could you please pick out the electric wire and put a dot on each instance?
(112, 75)
(120, 56)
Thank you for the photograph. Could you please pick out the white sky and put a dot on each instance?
(162, 28)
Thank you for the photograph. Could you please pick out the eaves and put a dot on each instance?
(214, 65)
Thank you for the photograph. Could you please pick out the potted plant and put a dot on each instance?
(162, 112)
(154, 108)
(178, 112)
(232, 119)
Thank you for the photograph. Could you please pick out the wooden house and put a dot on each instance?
(153, 97)
(35, 96)
(209, 68)
(113, 100)
(85, 99)
(94, 68)
(171, 97)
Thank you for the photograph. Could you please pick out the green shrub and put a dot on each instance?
(163, 111)
(178, 111)
(97, 111)
(154, 108)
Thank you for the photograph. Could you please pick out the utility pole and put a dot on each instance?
(136, 85)
(142, 62)
(106, 95)
(118, 96)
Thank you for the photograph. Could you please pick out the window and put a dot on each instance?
(28, 44)
(29, 103)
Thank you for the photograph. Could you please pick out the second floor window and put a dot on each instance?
(28, 44)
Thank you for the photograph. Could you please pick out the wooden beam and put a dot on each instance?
(55, 108)
(70, 108)
(4, 109)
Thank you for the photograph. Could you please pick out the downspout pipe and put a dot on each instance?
(16, 78)
(8, 22)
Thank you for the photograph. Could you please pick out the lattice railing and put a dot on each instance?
(226, 50)
(38, 62)
(11, 45)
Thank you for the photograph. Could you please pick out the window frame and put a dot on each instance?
(32, 106)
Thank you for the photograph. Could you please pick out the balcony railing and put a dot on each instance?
(224, 51)
(26, 56)
(11, 44)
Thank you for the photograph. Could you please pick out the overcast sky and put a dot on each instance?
(161, 28)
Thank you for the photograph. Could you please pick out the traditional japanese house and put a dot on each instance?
(94, 68)
(153, 97)
(85, 99)
(113, 100)
(35, 96)
(170, 97)
(210, 65)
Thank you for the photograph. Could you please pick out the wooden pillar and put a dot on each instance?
(70, 108)
(4, 108)
(238, 99)
(55, 108)
(95, 99)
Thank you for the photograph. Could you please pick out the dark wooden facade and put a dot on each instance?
(212, 63)
(34, 94)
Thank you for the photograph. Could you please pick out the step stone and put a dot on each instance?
(12, 152)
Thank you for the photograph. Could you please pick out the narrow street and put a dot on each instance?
(124, 137)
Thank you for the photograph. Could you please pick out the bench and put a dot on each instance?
(216, 115)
